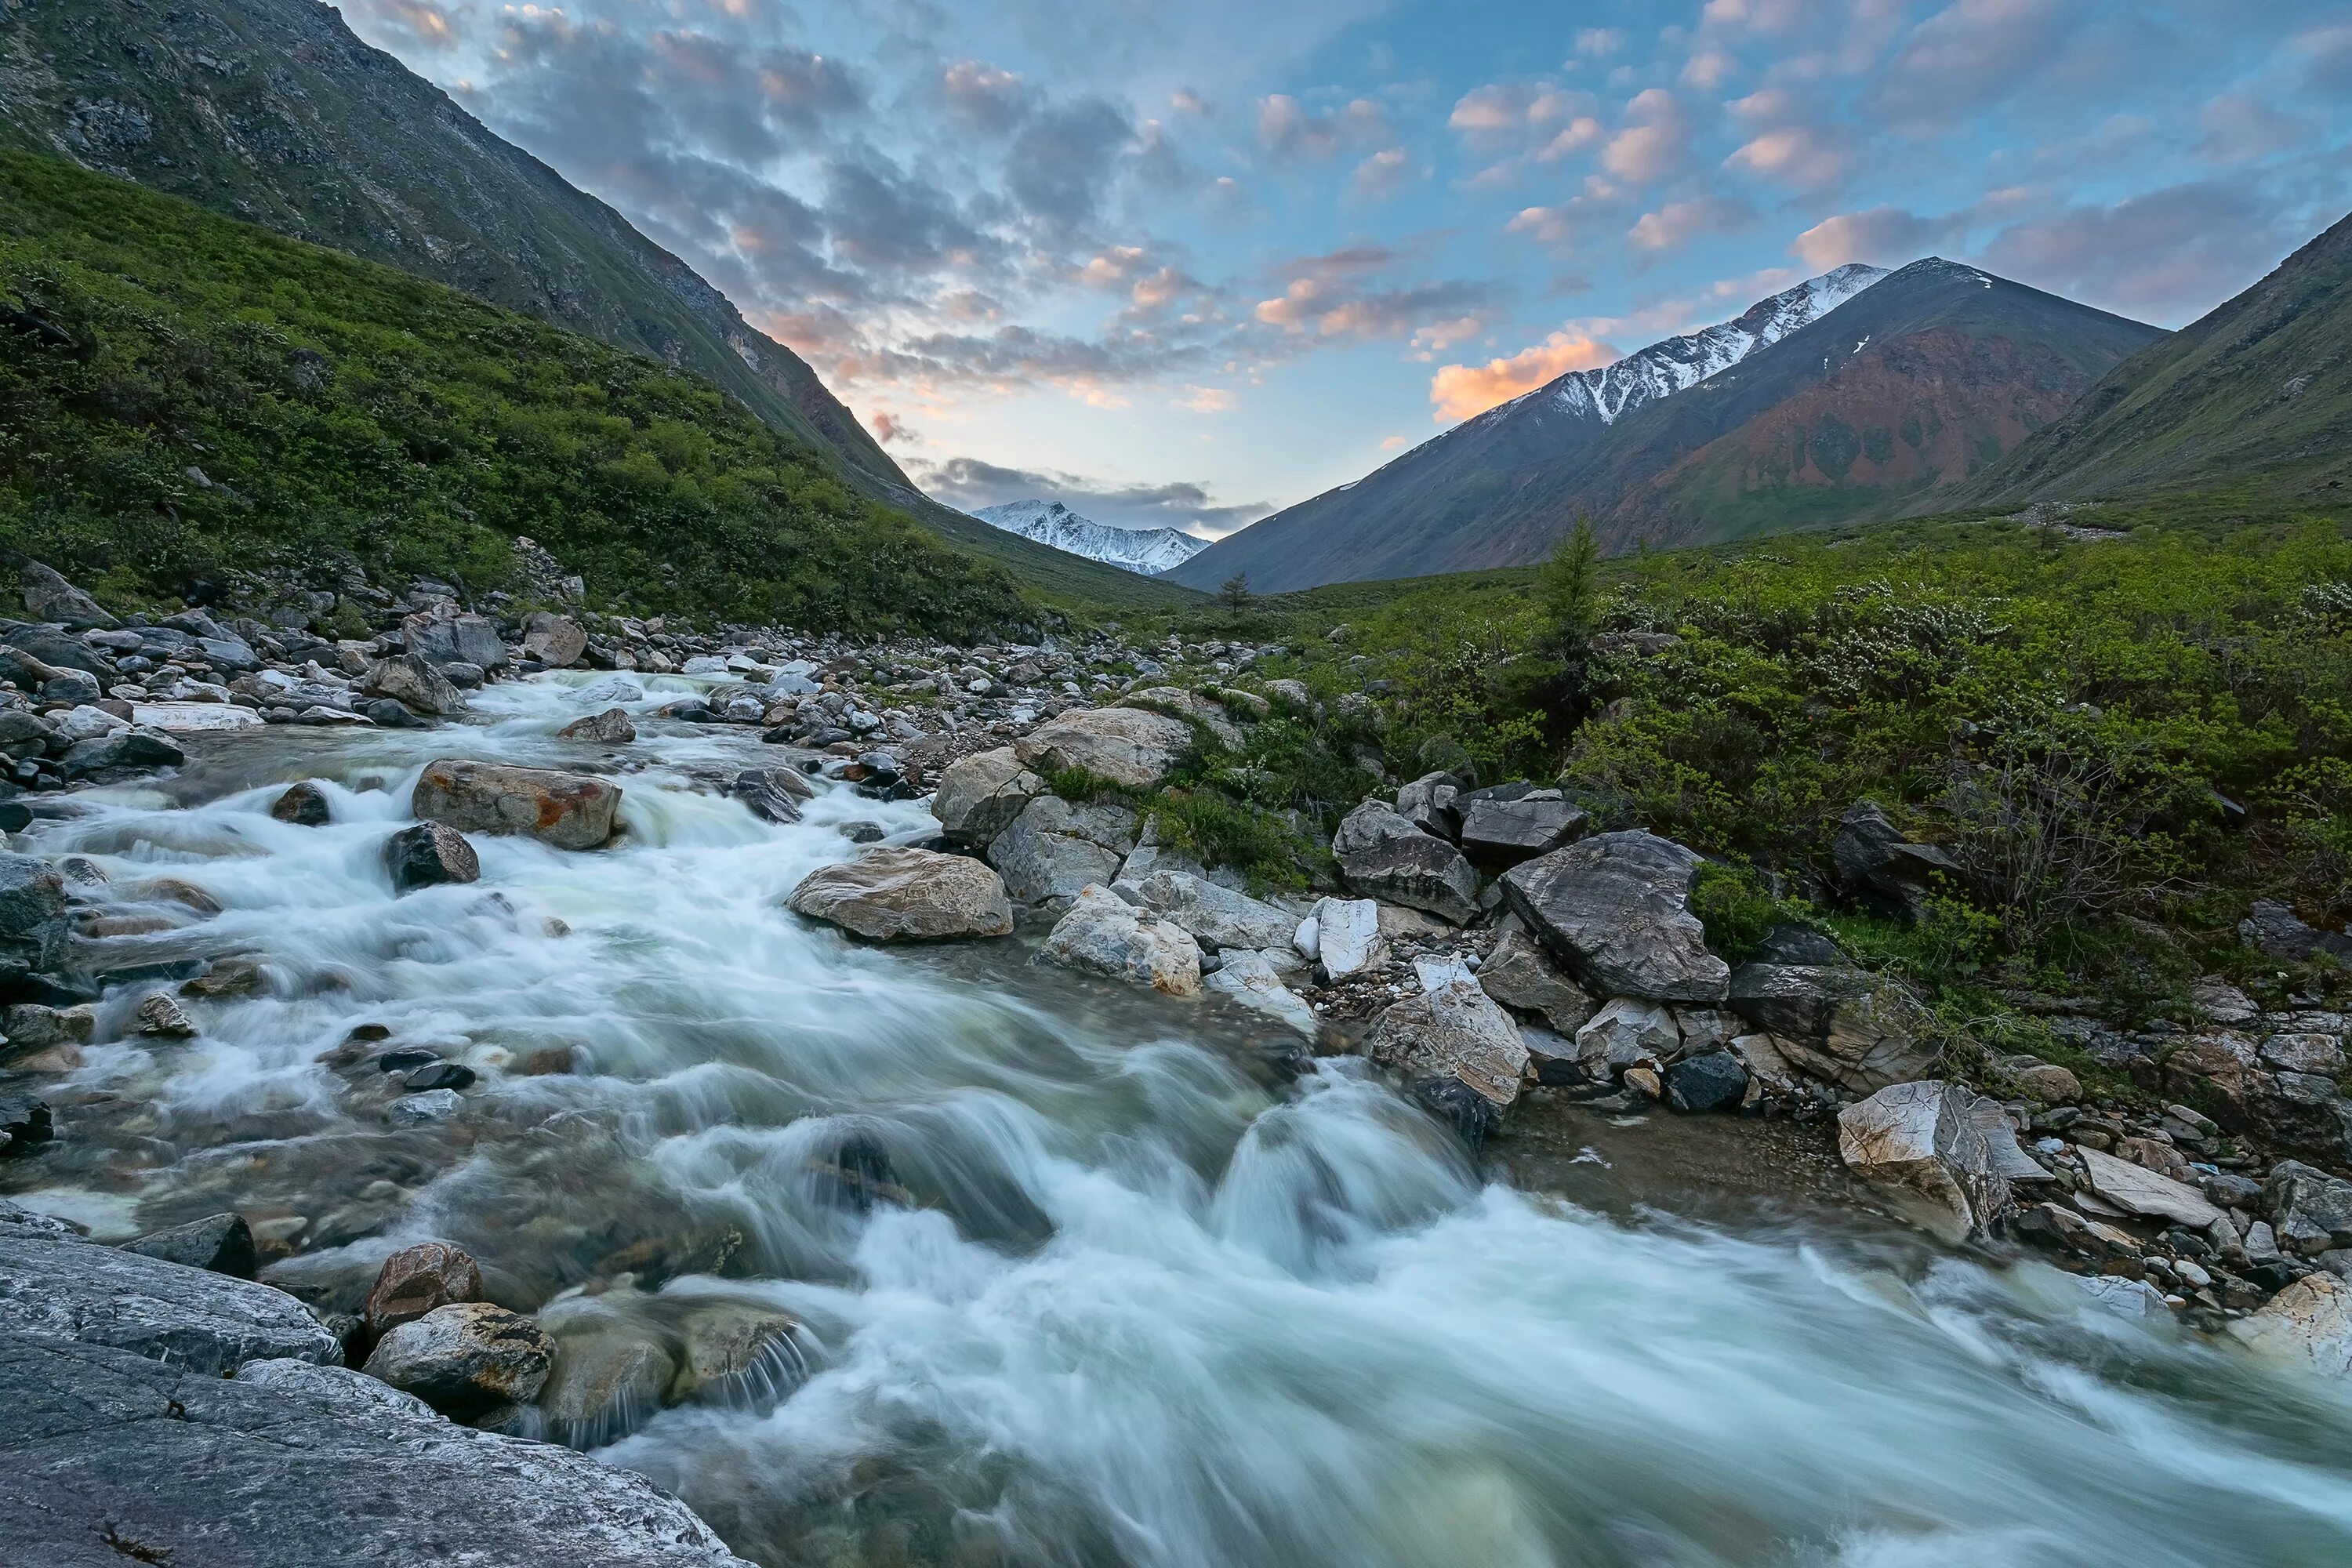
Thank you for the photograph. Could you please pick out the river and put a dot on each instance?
(1084, 1276)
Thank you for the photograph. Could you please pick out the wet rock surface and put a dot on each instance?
(907, 895)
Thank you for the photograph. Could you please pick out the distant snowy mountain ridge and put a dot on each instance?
(1145, 551)
(1673, 364)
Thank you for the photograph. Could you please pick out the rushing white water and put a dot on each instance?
(1084, 1280)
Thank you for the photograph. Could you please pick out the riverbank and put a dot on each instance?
(1073, 1269)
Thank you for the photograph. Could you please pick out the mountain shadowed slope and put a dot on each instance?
(1141, 550)
(1911, 383)
(2260, 390)
(1394, 521)
(273, 111)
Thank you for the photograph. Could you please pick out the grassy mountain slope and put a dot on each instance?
(2257, 392)
(183, 393)
(1910, 385)
(271, 110)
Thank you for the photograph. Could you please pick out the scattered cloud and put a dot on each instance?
(1287, 129)
(1385, 174)
(889, 429)
(1391, 442)
(1677, 224)
(1885, 236)
(1464, 391)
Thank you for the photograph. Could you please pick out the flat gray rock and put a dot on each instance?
(107, 1457)
(205, 1322)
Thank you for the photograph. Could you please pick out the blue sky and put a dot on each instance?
(1187, 263)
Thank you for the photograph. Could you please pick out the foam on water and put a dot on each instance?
(1081, 1282)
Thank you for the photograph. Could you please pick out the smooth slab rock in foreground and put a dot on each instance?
(570, 811)
(1104, 934)
(1923, 1143)
(204, 1323)
(1615, 910)
(1132, 747)
(288, 1465)
(892, 894)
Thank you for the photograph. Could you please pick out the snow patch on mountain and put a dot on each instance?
(1147, 551)
(1673, 364)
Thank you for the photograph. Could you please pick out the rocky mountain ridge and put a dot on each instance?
(1847, 397)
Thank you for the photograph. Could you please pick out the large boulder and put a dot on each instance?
(1923, 1143)
(49, 597)
(443, 640)
(198, 1321)
(1382, 855)
(1179, 704)
(734, 1351)
(1453, 1032)
(428, 854)
(117, 1460)
(34, 929)
(46, 646)
(1428, 803)
(415, 682)
(1104, 934)
(1498, 832)
(1056, 847)
(1846, 1026)
(1615, 910)
(1252, 980)
(1520, 975)
(465, 1359)
(894, 894)
(1131, 747)
(570, 811)
(554, 640)
(2308, 1325)
(978, 797)
(1217, 917)
(1884, 872)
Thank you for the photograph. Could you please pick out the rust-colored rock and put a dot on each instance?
(570, 811)
(415, 1281)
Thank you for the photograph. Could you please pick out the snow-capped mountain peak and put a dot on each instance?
(1672, 364)
(1146, 551)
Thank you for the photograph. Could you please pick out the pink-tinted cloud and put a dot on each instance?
(1464, 391)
